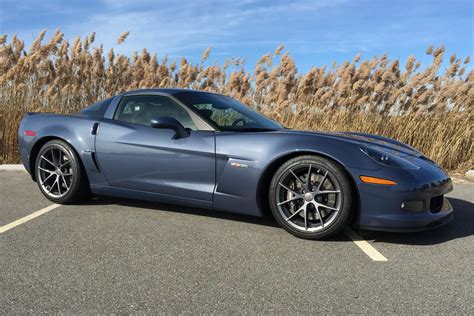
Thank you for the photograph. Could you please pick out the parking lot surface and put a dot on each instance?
(123, 256)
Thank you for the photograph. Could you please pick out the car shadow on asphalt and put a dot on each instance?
(102, 200)
(266, 220)
(461, 226)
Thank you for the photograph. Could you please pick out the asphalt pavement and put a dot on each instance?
(123, 256)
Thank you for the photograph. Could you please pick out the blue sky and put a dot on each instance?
(314, 32)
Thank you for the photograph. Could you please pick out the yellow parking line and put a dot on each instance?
(28, 218)
(367, 248)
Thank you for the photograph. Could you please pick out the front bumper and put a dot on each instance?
(412, 222)
(416, 203)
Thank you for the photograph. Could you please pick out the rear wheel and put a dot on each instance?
(310, 197)
(59, 173)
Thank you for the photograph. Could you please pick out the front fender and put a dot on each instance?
(244, 158)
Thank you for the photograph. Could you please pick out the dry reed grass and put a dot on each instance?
(430, 108)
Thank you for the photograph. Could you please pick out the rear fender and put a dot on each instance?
(74, 130)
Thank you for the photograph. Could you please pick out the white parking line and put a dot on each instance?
(28, 218)
(367, 248)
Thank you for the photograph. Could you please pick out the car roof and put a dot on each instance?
(170, 91)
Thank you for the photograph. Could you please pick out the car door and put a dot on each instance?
(133, 155)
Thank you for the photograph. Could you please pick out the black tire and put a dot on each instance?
(329, 174)
(75, 187)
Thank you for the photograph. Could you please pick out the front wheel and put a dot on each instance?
(59, 173)
(311, 197)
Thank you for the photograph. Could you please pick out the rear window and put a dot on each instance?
(98, 108)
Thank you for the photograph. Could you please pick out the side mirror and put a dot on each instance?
(167, 122)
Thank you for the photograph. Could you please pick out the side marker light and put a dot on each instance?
(374, 180)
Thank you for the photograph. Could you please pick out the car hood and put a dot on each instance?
(368, 140)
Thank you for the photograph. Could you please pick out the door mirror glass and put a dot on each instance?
(167, 122)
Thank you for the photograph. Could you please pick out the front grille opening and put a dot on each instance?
(436, 204)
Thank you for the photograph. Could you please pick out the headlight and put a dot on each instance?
(385, 158)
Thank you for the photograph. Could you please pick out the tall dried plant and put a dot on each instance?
(430, 108)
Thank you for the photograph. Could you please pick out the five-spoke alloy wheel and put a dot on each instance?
(59, 173)
(310, 197)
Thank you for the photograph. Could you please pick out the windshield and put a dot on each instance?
(226, 113)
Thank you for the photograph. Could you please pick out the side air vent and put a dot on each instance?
(94, 159)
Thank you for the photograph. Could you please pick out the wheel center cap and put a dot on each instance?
(308, 197)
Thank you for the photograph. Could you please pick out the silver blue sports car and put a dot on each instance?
(208, 150)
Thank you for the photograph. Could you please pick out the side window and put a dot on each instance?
(98, 108)
(140, 109)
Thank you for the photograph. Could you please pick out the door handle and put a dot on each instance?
(95, 127)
